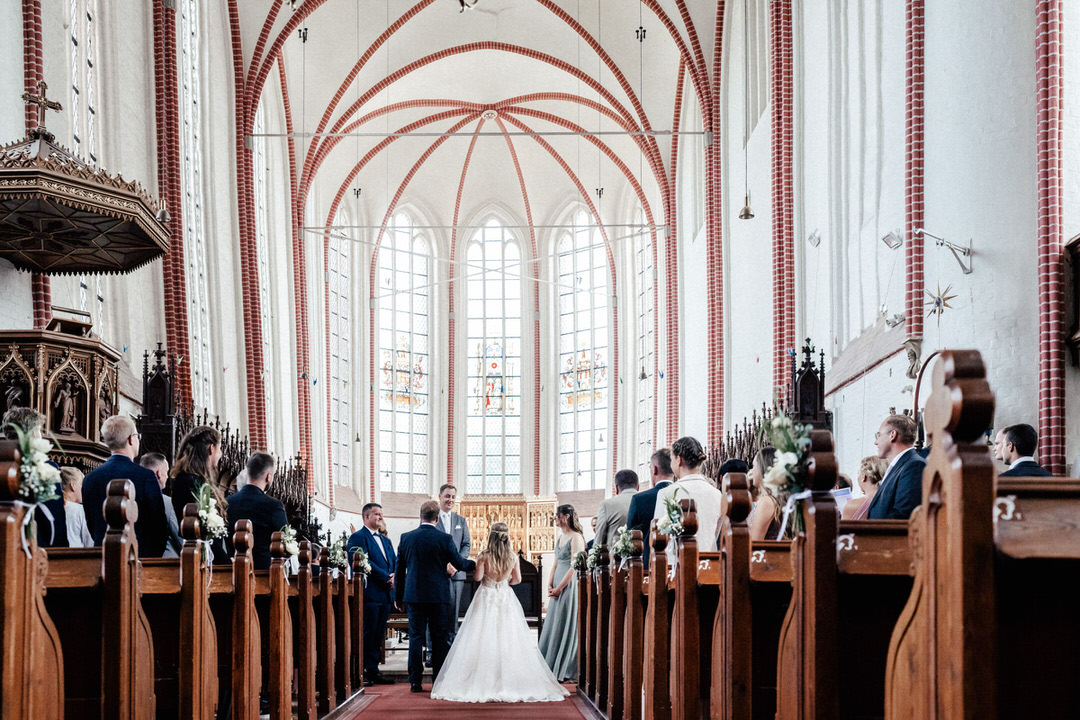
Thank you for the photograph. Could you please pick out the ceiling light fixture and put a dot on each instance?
(893, 239)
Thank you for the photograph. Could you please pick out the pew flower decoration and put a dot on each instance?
(365, 564)
(593, 558)
(581, 561)
(339, 560)
(623, 546)
(787, 476)
(39, 478)
(210, 520)
(289, 541)
(671, 522)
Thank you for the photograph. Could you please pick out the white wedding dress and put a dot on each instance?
(494, 657)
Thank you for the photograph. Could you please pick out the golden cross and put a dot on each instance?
(42, 102)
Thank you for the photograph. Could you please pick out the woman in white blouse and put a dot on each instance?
(77, 532)
(687, 456)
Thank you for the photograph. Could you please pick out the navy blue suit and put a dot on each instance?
(1027, 468)
(421, 583)
(267, 516)
(900, 491)
(377, 593)
(642, 507)
(151, 527)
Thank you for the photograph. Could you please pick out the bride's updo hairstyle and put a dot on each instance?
(572, 521)
(689, 450)
(500, 555)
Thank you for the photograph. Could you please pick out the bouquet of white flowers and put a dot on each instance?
(39, 478)
(623, 547)
(671, 522)
(365, 564)
(289, 541)
(789, 471)
(339, 560)
(581, 561)
(210, 520)
(594, 556)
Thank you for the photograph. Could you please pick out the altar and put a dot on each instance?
(531, 522)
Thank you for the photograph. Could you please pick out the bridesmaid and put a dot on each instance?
(558, 641)
(197, 463)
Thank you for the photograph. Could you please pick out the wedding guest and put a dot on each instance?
(871, 470)
(643, 504)
(687, 457)
(613, 512)
(765, 523)
(267, 514)
(77, 532)
(380, 554)
(50, 533)
(159, 465)
(558, 639)
(843, 482)
(731, 465)
(197, 463)
(900, 490)
(588, 545)
(456, 527)
(151, 528)
(1018, 452)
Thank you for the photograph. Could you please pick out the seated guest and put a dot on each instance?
(687, 457)
(871, 470)
(50, 533)
(197, 463)
(613, 511)
(157, 463)
(843, 482)
(77, 532)
(765, 521)
(732, 465)
(900, 490)
(1018, 452)
(267, 514)
(643, 504)
(119, 435)
(588, 545)
(377, 598)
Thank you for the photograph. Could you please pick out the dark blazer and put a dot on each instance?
(151, 528)
(184, 487)
(642, 507)
(901, 489)
(378, 587)
(422, 557)
(54, 535)
(1026, 469)
(267, 516)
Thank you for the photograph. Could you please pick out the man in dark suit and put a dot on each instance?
(380, 554)
(643, 504)
(1018, 452)
(158, 464)
(421, 585)
(49, 534)
(151, 529)
(900, 490)
(267, 514)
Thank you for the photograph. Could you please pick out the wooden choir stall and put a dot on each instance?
(965, 611)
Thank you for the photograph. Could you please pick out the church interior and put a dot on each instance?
(517, 246)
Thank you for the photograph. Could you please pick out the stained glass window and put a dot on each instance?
(403, 374)
(338, 272)
(493, 290)
(191, 183)
(584, 290)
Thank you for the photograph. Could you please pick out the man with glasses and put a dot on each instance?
(900, 490)
(151, 528)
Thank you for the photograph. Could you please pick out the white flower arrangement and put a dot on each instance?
(365, 564)
(594, 556)
(289, 541)
(623, 547)
(210, 520)
(339, 560)
(792, 442)
(39, 478)
(671, 522)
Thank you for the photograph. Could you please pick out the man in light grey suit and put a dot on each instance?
(456, 527)
(613, 511)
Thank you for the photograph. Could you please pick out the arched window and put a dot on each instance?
(262, 251)
(646, 344)
(194, 223)
(339, 297)
(493, 409)
(403, 412)
(584, 290)
(83, 33)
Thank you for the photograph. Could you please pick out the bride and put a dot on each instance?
(494, 657)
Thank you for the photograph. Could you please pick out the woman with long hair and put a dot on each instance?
(493, 658)
(687, 457)
(558, 640)
(766, 520)
(197, 464)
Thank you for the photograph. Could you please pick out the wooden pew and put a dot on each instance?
(302, 607)
(602, 583)
(732, 657)
(990, 628)
(633, 636)
(615, 641)
(849, 583)
(272, 600)
(356, 636)
(583, 629)
(657, 635)
(768, 588)
(31, 673)
(324, 624)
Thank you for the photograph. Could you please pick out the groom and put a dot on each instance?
(420, 583)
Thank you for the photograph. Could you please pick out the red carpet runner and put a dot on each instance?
(397, 702)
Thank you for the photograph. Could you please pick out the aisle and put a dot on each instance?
(396, 701)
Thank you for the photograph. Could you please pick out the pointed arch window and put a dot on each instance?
(403, 409)
(339, 313)
(493, 291)
(584, 378)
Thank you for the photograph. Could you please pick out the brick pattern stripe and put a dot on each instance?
(781, 97)
(915, 112)
(1049, 102)
(33, 72)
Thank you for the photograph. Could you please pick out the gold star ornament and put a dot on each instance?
(937, 303)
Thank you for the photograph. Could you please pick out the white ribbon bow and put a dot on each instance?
(789, 506)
